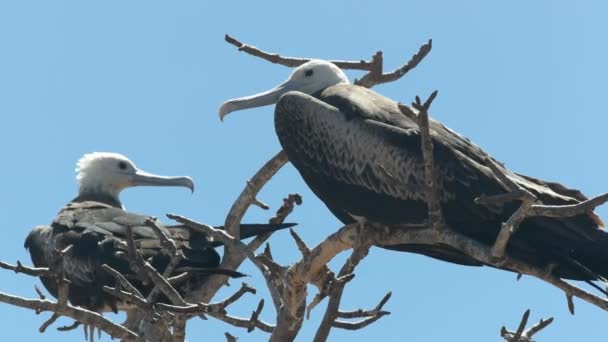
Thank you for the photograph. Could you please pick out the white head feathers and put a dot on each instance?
(107, 173)
(103, 171)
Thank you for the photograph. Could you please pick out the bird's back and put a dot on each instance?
(97, 233)
(362, 157)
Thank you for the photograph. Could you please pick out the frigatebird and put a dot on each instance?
(95, 224)
(350, 144)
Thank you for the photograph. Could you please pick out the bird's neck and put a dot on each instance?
(98, 194)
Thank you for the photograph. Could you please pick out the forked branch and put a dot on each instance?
(374, 67)
(522, 334)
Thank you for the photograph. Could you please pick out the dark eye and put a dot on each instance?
(308, 72)
(122, 165)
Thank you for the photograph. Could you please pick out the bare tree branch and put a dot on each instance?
(291, 62)
(233, 259)
(435, 215)
(366, 313)
(374, 67)
(346, 274)
(76, 313)
(375, 76)
(31, 271)
(146, 271)
(522, 335)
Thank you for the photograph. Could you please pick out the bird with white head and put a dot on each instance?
(102, 176)
(95, 224)
(362, 157)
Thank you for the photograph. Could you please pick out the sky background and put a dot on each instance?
(524, 80)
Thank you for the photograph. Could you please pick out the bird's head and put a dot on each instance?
(308, 78)
(109, 173)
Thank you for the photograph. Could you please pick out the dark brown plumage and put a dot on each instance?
(346, 140)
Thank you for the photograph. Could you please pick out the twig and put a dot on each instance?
(522, 335)
(250, 324)
(366, 313)
(216, 234)
(569, 210)
(141, 303)
(163, 285)
(73, 326)
(200, 308)
(570, 301)
(147, 272)
(528, 207)
(39, 292)
(509, 227)
(230, 338)
(248, 195)
(345, 275)
(291, 62)
(48, 322)
(374, 67)
(435, 216)
(165, 241)
(375, 76)
(245, 288)
(79, 314)
(233, 259)
(31, 271)
(305, 250)
(122, 280)
(286, 208)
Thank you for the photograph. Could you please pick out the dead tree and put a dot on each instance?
(288, 284)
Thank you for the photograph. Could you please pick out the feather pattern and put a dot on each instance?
(362, 157)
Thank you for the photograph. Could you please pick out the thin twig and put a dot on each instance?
(122, 280)
(432, 187)
(374, 67)
(31, 271)
(335, 296)
(230, 338)
(77, 313)
(375, 76)
(286, 208)
(291, 62)
(522, 335)
(165, 241)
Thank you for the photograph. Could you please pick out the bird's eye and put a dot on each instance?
(122, 165)
(308, 72)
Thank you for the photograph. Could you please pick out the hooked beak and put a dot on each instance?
(142, 178)
(258, 100)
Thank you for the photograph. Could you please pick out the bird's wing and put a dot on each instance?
(363, 158)
(354, 143)
(97, 231)
(451, 147)
(356, 160)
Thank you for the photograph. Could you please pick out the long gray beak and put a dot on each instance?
(142, 178)
(258, 100)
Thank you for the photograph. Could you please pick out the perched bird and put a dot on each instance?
(350, 144)
(95, 225)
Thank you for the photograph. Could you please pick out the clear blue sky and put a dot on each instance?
(525, 80)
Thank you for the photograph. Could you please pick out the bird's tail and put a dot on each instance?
(210, 271)
(574, 246)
